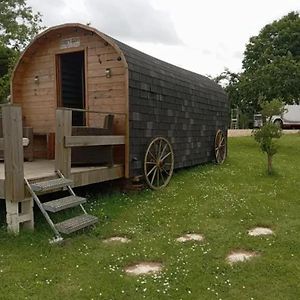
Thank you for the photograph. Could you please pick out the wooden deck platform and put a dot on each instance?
(40, 170)
(14, 188)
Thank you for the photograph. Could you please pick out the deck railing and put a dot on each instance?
(64, 140)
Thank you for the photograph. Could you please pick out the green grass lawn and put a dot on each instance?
(220, 202)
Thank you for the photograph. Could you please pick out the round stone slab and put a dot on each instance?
(144, 268)
(240, 256)
(117, 239)
(257, 231)
(190, 237)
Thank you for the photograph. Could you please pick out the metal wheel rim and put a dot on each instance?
(158, 163)
(220, 147)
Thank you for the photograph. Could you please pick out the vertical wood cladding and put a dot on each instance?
(39, 100)
(168, 101)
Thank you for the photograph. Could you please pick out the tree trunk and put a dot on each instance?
(269, 164)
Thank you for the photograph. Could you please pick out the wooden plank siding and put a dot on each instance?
(39, 99)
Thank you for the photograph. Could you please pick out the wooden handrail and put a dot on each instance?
(91, 111)
(99, 140)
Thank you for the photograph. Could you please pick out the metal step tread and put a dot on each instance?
(76, 223)
(63, 203)
(50, 184)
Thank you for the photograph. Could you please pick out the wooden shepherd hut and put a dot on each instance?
(78, 67)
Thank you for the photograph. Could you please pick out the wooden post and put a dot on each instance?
(63, 154)
(18, 209)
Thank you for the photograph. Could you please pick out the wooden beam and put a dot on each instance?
(25, 143)
(63, 154)
(84, 176)
(18, 209)
(13, 153)
(104, 140)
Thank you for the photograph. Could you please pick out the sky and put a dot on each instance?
(202, 36)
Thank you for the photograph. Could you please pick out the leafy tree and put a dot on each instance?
(269, 131)
(272, 63)
(271, 68)
(7, 57)
(5, 54)
(229, 80)
(279, 39)
(18, 25)
(231, 83)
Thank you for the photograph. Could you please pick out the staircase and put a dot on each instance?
(70, 225)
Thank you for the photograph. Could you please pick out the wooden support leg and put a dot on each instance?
(19, 214)
(18, 207)
(12, 215)
(26, 216)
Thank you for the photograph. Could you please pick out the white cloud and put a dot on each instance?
(202, 36)
(131, 20)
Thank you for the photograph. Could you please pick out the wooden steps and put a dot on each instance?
(76, 223)
(51, 185)
(63, 203)
(70, 225)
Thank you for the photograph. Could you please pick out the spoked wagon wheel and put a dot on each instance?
(220, 147)
(158, 163)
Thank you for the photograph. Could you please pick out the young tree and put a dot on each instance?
(269, 131)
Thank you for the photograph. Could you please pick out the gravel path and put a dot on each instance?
(248, 132)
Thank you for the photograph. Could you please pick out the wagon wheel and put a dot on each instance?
(158, 163)
(220, 147)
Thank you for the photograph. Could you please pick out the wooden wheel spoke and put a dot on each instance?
(168, 154)
(152, 155)
(159, 148)
(153, 177)
(165, 170)
(163, 150)
(151, 170)
(162, 177)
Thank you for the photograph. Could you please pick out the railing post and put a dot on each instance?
(63, 154)
(18, 209)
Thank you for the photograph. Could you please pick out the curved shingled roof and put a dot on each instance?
(139, 61)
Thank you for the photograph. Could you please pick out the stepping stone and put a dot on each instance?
(240, 256)
(257, 231)
(117, 239)
(144, 268)
(190, 237)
